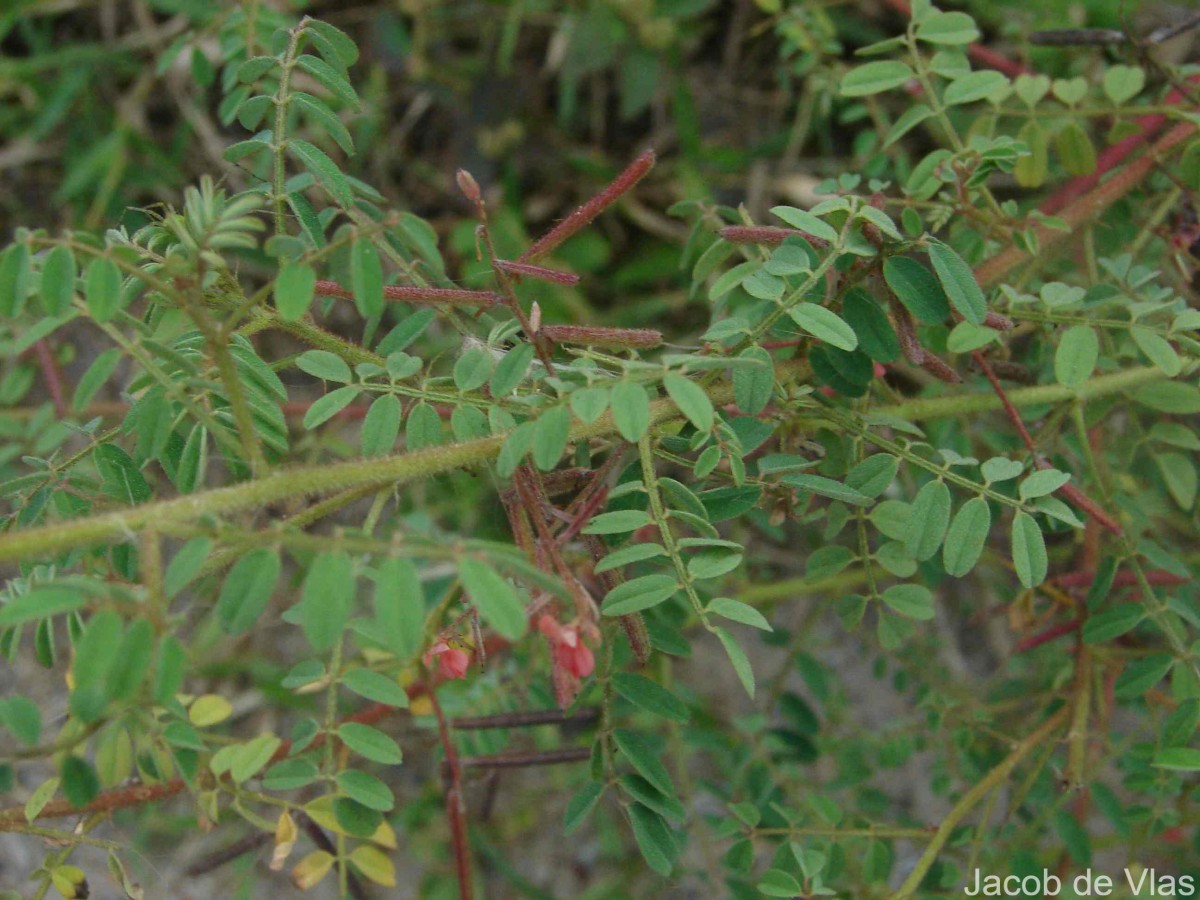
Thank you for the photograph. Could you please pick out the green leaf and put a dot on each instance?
(1031, 170)
(250, 758)
(913, 601)
(498, 603)
(917, 288)
(1179, 474)
(102, 288)
(645, 755)
(650, 696)
(875, 78)
(325, 118)
(1170, 397)
(929, 518)
(80, 785)
(255, 68)
(366, 789)
(958, 281)
(1184, 759)
(1112, 623)
(827, 487)
(737, 611)
(335, 39)
(1041, 483)
(629, 555)
(1076, 356)
(14, 280)
(638, 594)
(1123, 83)
(580, 806)
(473, 369)
(778, 883)
(186, 565)
(376, 687)
(653, 838)
(40, 603)
(423, 428)
(294, 286)
(806, 222)
(133, 660)
(550, 434)
(1157, 349)
(966, 537)
(323, 168)
(58, 281)
(370, 743)
(23, 719)
(737, 657)
(630, 409)
(381, 426)
(122, 479)
(366, 278)
(1141, 675)
(691, 399)
(824, 324)
(1075, 149)
(330, 77)
(511, 370)
(94, 378)
(95, 653)
(290, 775)
(247, 589)
(873, 475)
(754, 385)
(949, 28)
(324, 365)
(974, 86)
(1029, 550)
(327, 598)
(328, 406)
(875, 334)
(589, 404)
(909, 119)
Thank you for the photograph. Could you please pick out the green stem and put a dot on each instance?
(972, 797)
(304, 482)
(278, 141)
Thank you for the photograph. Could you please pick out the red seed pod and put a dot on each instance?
(763, 234)
(997, 321)
(600, 336)
(938, 369)
(584, 214)
(540, 272)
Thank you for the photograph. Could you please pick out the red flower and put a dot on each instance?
(571, 654)
(452, 662)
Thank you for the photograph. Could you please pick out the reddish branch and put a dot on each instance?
(1070, 491)
(524, 760)
(49, 367)
(456, 808)
(1049, 634)
(1086, 207)
(409, 294)
(1112, 156)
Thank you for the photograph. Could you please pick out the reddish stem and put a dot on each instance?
(1047, 635)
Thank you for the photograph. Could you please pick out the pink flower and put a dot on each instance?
(452, 662)
(571, 654)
